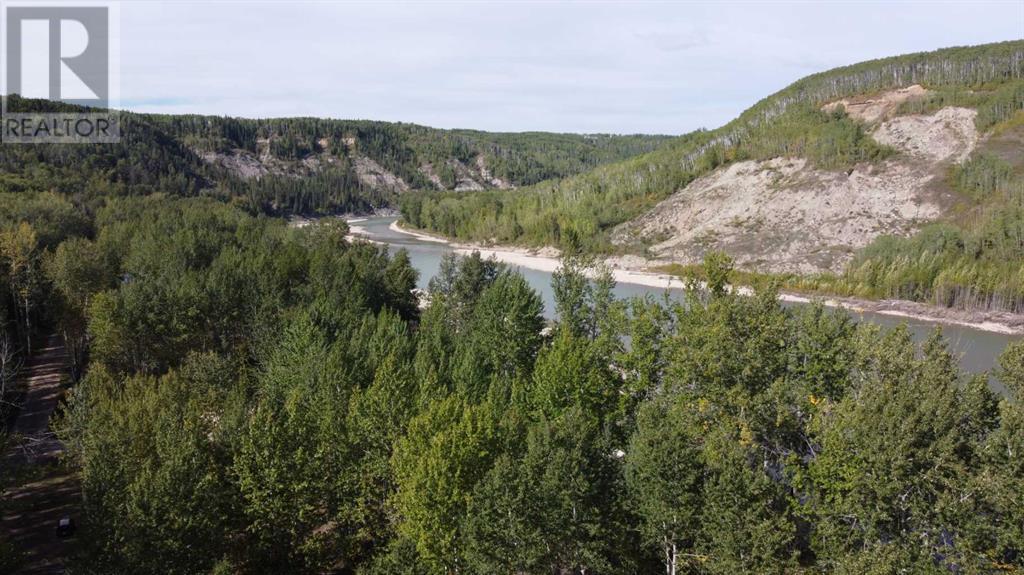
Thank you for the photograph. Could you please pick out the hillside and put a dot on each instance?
(823, 177)
(194, 380)
(787, 215)
(396, 157)
(253, 398)
(302, 165)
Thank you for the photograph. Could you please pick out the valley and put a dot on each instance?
(976, 338)
(791, 344)
(892, 180)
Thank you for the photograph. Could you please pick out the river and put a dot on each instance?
(977, 350)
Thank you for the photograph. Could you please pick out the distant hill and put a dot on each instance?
(900, 177)
(302, 165)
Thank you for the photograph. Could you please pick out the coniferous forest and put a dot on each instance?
(306, 166)
(244, 396)
(256, 398)
(971, 259)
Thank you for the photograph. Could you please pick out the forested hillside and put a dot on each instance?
(255, 398)
(300, 165)
(971, 259)
(421, 157)
(249, 397)
(49, 193)
(788, 123)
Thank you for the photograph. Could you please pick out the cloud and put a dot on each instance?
(676, 41)
(154, 102)
(513, 66)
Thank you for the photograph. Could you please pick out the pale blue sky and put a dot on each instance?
(623, 67)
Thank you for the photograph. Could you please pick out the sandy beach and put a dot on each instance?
(418, 235)
(547, 260)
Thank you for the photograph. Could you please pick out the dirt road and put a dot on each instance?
(38, 490)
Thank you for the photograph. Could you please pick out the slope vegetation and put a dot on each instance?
(877, 173)
(301, 165)
(785, 215)
(396, 157)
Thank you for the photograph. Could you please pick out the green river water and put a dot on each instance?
(977, 350)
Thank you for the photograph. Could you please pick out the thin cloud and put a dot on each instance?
(676, 41)
(562, 67)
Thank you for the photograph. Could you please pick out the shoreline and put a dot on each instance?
(547, 260)
(418, 235)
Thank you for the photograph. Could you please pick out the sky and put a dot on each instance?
(590, 67)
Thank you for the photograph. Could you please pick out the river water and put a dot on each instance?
(977, 350)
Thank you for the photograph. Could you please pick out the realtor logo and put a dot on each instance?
(58, 53)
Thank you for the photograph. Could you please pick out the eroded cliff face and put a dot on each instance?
(248, 165)
(783, 215)
(468, 176)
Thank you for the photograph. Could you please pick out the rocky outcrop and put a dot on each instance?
(873, 109)
(468, 178)
(241, 163)
(783, 215)
(248, 165)
(372, 174)
(427, 169)
(487, 176)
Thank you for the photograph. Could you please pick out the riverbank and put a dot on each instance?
(301, 221)
(624, 270)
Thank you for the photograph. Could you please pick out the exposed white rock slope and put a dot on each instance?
(782, 215)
